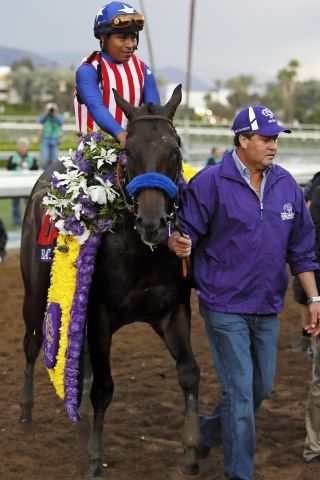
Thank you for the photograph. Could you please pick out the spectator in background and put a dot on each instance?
(19, 161)
(215, 158)
(51, 134)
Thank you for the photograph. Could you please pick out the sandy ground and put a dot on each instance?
(144, 422)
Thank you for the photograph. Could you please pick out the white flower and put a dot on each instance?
(86, 234)
(106, 156)
(98, 194)
(92, 144)
(68, 162)
(53, 213)
(57, 203)
(67, 178)
(111, 193)
(80, 146)
(77, 185)
(111, 156)
(60, 226)
(77, 208)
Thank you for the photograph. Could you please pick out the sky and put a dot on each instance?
(231, 37)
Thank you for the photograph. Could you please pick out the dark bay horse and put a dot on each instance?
(3, 240)
(132, 282)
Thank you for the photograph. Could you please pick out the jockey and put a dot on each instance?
(117, 26)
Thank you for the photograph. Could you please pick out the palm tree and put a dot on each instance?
(287, 79)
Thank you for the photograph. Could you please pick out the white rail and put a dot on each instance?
(17, 184)
(300, 133)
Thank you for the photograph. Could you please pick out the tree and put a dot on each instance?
(21, 79)
(287, 79)
(240, 88)
(308, 101)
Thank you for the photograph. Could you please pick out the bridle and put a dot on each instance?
(171, 215)
(131, 201)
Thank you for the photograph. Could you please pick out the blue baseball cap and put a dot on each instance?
(257, 119)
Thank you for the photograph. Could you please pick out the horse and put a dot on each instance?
(3, 240)
(136, 278)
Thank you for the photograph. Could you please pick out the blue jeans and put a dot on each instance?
(49, 151)
(243, 348)
(16, 215)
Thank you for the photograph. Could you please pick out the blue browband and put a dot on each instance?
(152, 180)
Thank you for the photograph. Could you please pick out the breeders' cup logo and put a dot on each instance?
(287, 212)
(270, 116)
(267, 113)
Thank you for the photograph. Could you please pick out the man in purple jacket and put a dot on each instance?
(244, 219)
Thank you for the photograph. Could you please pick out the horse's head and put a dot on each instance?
(154, 163)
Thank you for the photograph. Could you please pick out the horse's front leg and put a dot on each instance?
(99, 340)
(33, 312)
(175, 331)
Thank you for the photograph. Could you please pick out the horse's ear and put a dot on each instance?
(175, 100)
(123, 104)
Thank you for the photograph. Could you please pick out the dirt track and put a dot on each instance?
(144, 422)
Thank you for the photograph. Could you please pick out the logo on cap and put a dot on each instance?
(267, 113)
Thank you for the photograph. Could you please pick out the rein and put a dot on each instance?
(151, 180)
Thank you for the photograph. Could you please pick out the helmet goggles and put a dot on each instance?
(125, 21)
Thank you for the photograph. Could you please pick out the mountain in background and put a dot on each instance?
(175, 75)
(71, 60)
(10, 55)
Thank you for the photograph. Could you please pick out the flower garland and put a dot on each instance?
(84, 202)
(61, 291)
(85, 199)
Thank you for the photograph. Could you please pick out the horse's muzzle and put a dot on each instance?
(151, 231)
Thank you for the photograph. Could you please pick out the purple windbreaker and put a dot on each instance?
(242, 244)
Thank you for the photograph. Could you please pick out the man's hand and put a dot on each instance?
(180, 245)
(314, 327)
(122, 137)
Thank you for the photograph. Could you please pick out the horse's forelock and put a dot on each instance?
(151, 108)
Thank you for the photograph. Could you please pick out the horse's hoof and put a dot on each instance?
(189, 466)
(96, 470)
(188, 472)
(25, 419)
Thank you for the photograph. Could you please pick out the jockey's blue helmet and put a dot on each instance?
(117, 17)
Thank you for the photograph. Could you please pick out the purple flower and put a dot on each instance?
(92, 136)
(104, 225)
(85, 201)
(84, 165)
(97, 136)
(89, 212)
(54, 181)
(55, 184)
(73, 225)
(62, 189)
(85, 268)
(109, 176)
(123, 157)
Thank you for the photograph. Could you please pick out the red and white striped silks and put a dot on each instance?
(127, 78)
